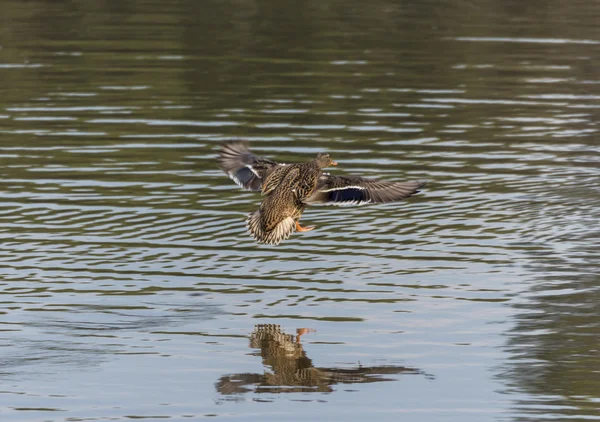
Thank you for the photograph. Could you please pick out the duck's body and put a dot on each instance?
(288, 188)
(279, 212)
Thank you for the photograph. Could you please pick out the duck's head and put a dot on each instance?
(324, 160)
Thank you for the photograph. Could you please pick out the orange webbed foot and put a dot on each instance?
(301, 331)
(303, 229)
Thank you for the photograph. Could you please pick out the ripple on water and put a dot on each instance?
(126, 266)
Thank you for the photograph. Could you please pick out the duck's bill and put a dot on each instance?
(334, 163)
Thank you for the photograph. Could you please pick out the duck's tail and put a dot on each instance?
(282, 230)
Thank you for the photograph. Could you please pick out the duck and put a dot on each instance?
(287, 189)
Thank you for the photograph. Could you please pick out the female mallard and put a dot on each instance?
(288, 188)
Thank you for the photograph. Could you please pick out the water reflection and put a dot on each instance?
(57, 338)
(114, 211)
(554, 343)
(290, 370)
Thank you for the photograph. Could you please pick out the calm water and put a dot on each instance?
(130, 288)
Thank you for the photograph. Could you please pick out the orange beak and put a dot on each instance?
(334, 163)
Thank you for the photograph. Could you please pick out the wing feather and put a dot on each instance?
(243, 167)
(354, 190)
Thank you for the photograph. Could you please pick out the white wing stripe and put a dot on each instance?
(252, 170)
(236, 180)
(346, 203)
(343, 188)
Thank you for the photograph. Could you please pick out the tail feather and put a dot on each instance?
(282, 230)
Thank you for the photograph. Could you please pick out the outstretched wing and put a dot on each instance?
(354, 190)
(243, 167)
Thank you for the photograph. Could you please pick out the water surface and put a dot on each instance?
(130, 288)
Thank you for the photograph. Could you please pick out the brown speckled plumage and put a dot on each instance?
(276, 218)
(288, 188)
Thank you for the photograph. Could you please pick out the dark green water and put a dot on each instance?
(129, 287)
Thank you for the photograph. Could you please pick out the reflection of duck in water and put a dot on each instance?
(293, 371)
(289, 188)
